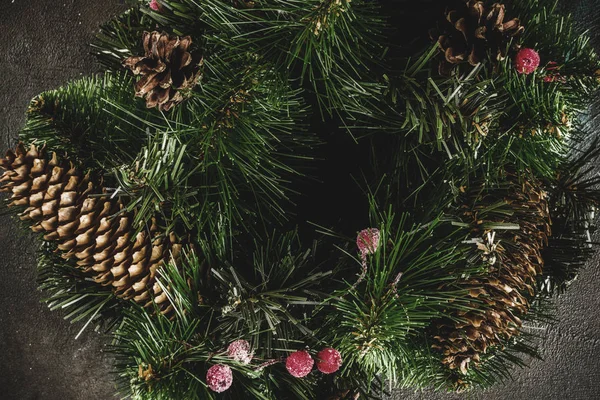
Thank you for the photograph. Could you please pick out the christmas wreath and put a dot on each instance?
(315, 199)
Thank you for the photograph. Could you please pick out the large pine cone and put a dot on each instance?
(471, 30)
(90, 228)
(167, 69)
(501, 297)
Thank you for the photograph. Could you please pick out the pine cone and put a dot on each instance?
(471, 30)
(501, 297)
(89, 228)
(167, 69)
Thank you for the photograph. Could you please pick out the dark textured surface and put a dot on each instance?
(44, 44)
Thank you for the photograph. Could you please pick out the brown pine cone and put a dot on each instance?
(89, 227)
(471, 30)
(167, 69)
(500, 298)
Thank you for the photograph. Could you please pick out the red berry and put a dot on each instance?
(299, 364)
(329, 360)
(527, 61)
(219, 378)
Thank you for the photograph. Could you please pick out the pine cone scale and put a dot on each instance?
(159, 97)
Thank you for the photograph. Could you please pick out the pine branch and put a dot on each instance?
(67, 288)
(262, 300)
(409, 283)
(575, 197)
(81, 120)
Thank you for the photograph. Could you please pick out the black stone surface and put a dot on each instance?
(44, 44)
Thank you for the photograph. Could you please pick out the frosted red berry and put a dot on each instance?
(527, 61)
(219, 378)
(239, 350)
(299, 364)
(368, 241)
(329, 360)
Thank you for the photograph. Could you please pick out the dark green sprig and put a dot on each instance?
(80, 119)
(160, 358)
(270, 293)
(157, 183)
(157, 358)
(217, 300)
(71, 290)
(575, 196)
(376, 324)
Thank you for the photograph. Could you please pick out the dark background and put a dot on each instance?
(43, 45)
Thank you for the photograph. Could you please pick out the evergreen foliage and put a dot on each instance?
(312, 120)
(377, 322)
(69, 289)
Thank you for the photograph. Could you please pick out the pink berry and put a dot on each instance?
(368, 241)
(219, 378)
(154, 5)
(299, 364)
(239, 350)
(329, 360)
(527, 61)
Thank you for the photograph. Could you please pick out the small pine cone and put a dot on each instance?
(471, 30)
(501, 297)
(167, 69)
(90, 228)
